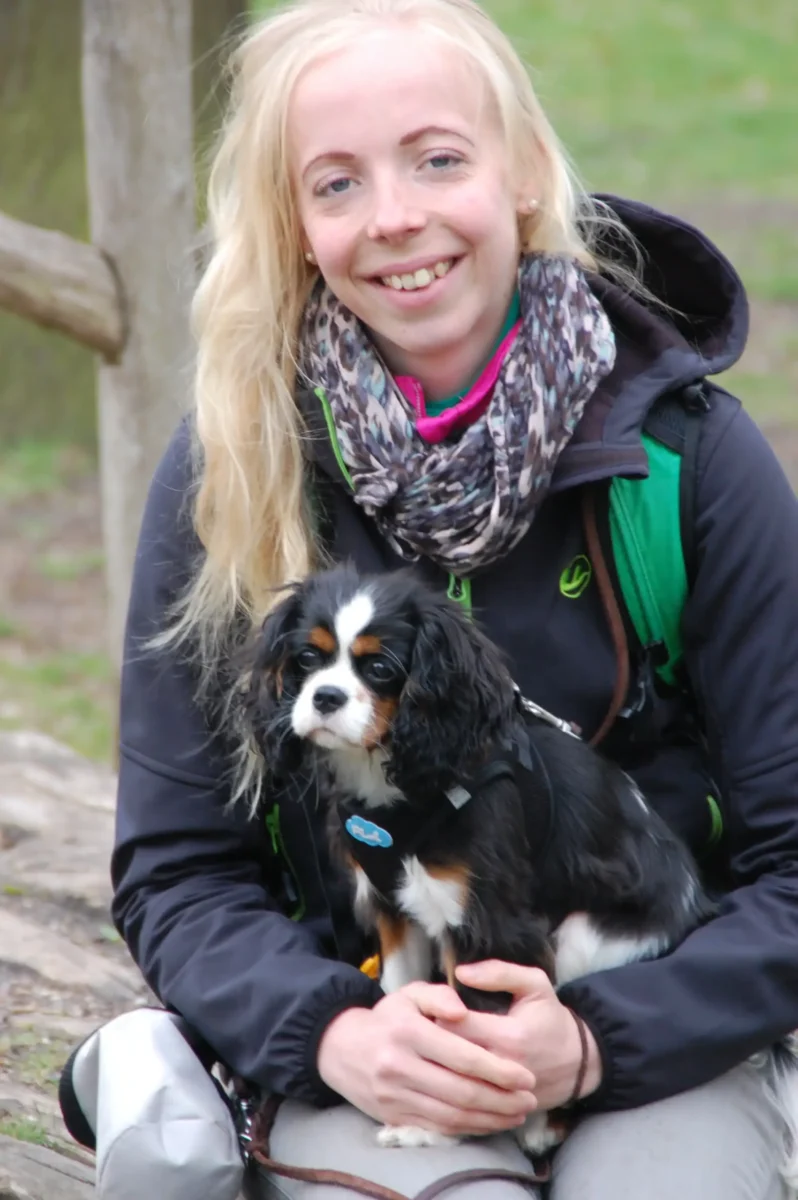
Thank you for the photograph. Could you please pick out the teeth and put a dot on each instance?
(420, 279)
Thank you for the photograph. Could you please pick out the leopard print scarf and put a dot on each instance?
(465, 502)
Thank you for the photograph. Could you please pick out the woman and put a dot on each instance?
(419, 340)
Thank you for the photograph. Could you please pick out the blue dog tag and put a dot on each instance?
(369, 833)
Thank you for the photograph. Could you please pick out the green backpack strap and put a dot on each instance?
(651, 529)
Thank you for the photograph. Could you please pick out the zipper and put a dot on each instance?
(291, 883)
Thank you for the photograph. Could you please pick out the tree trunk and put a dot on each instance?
(139, 152)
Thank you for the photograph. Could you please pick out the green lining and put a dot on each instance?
(278, 846)
(647, 548)
(459, 589)
(339, 458)
(716, 831)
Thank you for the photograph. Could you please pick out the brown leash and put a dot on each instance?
(613, 612)
(259, 1151)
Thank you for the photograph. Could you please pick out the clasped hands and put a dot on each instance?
(420, 1057)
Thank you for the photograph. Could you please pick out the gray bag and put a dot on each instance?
(138, 1091)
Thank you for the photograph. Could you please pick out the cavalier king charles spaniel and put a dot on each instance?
(473, 824)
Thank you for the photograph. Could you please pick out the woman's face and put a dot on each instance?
(402, 180)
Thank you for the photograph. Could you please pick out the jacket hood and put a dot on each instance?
(701, 330)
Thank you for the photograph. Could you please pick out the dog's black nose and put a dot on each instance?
(329, 699)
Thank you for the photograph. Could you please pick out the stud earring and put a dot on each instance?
(532, 205)
(311, 257)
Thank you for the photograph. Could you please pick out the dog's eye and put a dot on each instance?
(309, 658)
(378, 670)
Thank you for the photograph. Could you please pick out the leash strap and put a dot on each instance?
(613, 614)
(258, 1150)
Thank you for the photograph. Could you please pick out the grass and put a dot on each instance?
(62, 566)
(28, 1130)
(32, 467)
(658, 97)
(37, 1060)
(68, 696)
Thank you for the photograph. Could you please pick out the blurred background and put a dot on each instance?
(691, 105)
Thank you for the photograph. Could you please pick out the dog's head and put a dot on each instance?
(351, 663)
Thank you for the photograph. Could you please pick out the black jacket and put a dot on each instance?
(202, 899)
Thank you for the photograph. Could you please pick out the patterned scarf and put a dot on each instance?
(465, 502)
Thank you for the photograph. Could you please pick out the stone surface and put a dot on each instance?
(63, 969)
(30, 1172)
(56, 820)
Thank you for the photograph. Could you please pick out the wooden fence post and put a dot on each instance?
(139, 152)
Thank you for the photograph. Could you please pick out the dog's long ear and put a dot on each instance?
(457, 697)
(266, 713)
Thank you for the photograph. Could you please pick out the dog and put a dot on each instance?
(473, 824)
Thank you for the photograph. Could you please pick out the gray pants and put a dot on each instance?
(717, 1142)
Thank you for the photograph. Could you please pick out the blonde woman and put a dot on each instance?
(418, 340)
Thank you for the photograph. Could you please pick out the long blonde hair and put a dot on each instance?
(249, 508)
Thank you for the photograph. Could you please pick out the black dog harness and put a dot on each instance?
(379, 839)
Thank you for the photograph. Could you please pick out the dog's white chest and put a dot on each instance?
(435, 899)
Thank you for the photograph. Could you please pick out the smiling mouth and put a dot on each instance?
(418, 281)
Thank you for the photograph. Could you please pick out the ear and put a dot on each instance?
(457, 697)
(265, 711)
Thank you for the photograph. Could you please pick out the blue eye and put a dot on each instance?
(441, 161)
(336, 187)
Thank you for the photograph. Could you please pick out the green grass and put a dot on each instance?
(62, 566)
(27, 1130)
(37, 1060)
(7, 628)
(68, 696)
(29, 468)
(657, 97)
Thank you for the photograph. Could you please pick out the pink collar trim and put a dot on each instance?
(465, 411)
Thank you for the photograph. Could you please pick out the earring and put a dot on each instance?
(311, 257)
(532, 205)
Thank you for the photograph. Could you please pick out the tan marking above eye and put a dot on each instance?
(322, 639)
(366, 643)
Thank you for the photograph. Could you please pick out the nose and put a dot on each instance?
(329, 699)
(394, 215)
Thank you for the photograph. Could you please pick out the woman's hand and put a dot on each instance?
(404, 1063)
(538, 1032)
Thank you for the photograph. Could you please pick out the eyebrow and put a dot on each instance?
(408, 139)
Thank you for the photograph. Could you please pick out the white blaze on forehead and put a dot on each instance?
(350, 621)
(351, 722)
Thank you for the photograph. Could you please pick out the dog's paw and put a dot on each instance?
(541, 1132)
(412, 1135)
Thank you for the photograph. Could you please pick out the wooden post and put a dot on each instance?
(139, 154)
